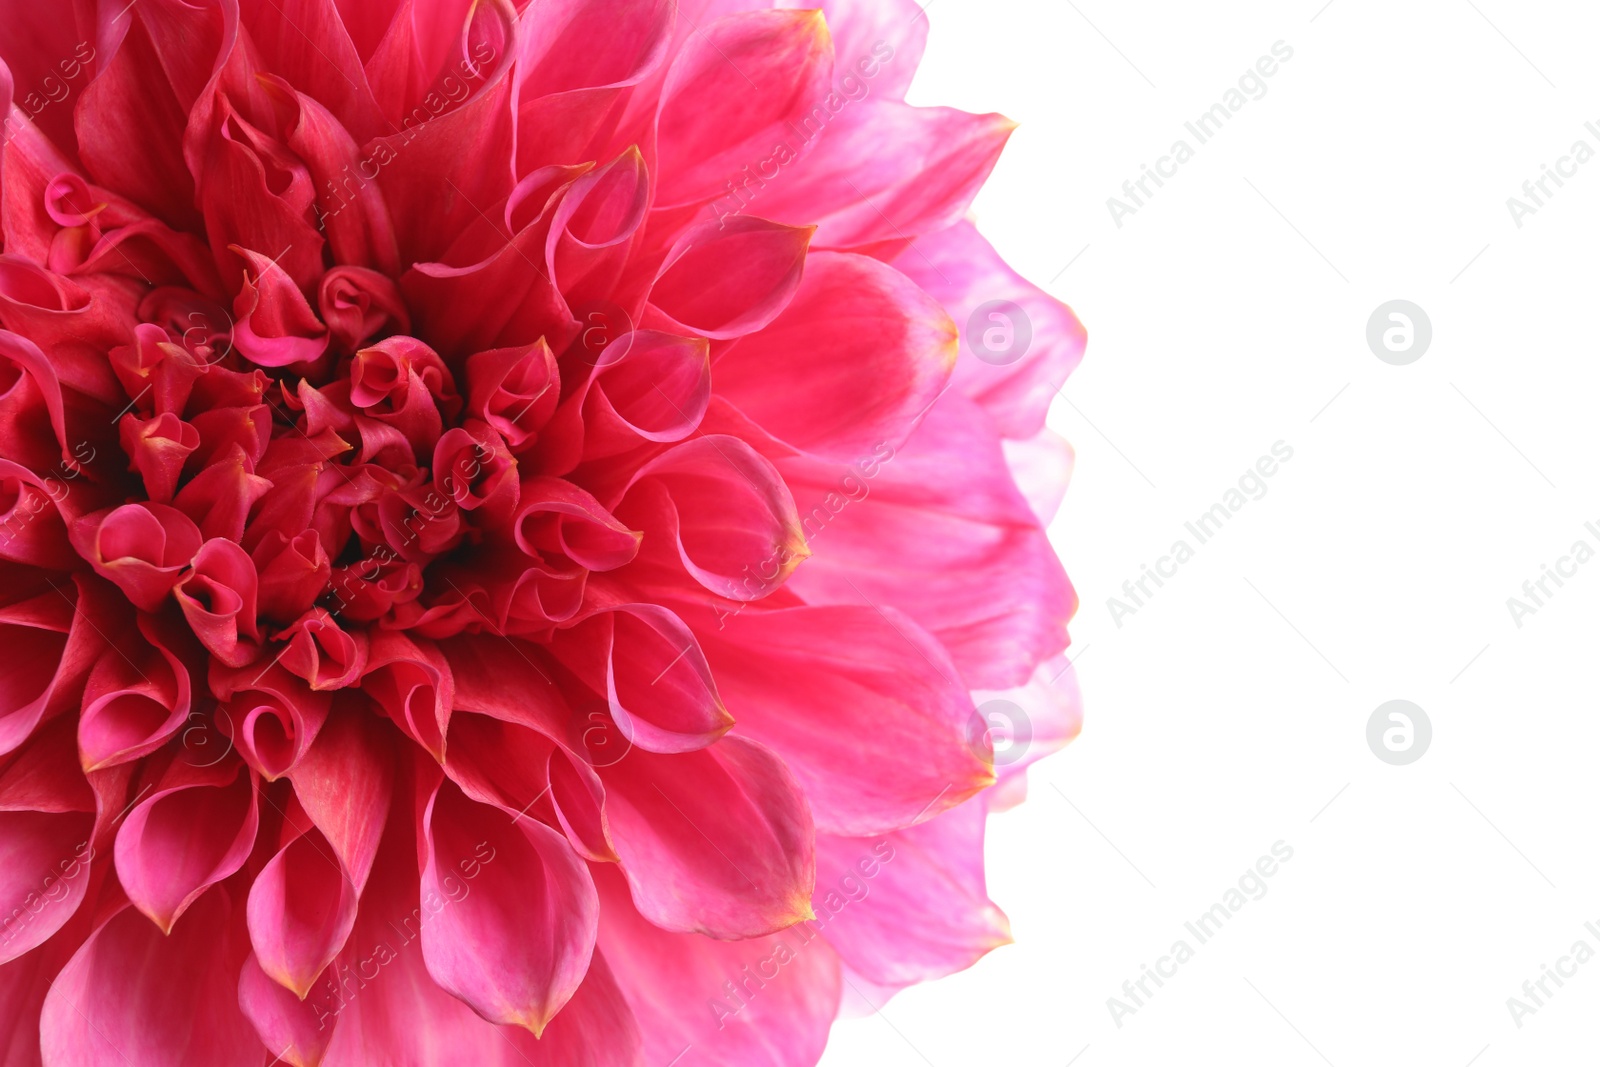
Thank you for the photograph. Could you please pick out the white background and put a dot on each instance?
(1230, 712)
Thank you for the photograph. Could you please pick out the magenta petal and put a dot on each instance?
(292, 1028)
(514, 942)
(862, 666)
(301, 909)
(716, 841)
(723, 510)
(131, 996)
(849, 367)
(344, 784)
(193, 831)
(737, 87)
(729, 278)
(860, 196)
(763, 1002)
(44, 874)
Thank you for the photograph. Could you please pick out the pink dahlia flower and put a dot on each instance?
(506, 557)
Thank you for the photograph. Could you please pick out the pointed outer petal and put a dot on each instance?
(382, 1006)
(344, 784)
(32, 528)
(515, 767)
(737, 88)
(359, 230)
(505, 299)
(964, 272)
(134, 997)
(728, 279)
(411, 682)
(594, 228)
(677, 985)
(517, 939)
(306, 42)
(659, 688)
(1041, 466)
(910, 906)
(724, 510)
(859, 194)
(944, 536)
(876, 42)
(130, 128)
(275, 326)
(717, 841)
(286, 1025)
(197, 828)
(137, 696)
(270, 715)
(433, 185)
(358, 303)
(515, 390)
(44, 874)
(157, 449)
(874, 722)
(322, 652)
(143, 548)
(218, 597)
(301, 909)
(556, 518)
(851, 365)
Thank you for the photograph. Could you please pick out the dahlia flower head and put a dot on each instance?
(511, 516)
